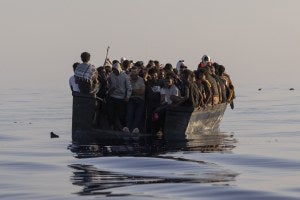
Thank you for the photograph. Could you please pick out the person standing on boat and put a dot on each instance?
(86, 76)
(136, 103)
(119, 93)
(152, 94)
(73, 85)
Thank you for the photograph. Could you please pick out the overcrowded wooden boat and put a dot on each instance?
(180, 122)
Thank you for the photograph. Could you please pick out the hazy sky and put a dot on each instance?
(257, 41)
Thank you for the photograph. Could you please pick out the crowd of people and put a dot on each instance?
(133, 97)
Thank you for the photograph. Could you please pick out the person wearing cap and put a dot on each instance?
(122, 59)
(119, 92)
(205, 61)
(86, 76)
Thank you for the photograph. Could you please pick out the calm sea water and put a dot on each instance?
(256, 154)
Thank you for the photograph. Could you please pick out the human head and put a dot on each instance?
(156, 63)
(75, 66)
(126, 65)
(115, 61)
(221, 70)
(179, 64)
(162, 74)
(169, 82)
(206, 58)
(134, 73)
(150, 64)
(168, 67)
(122, 60)
(107, 69)
(153, 74)
(100, 70)
(139, 64)
(85, 57)
(186, 75)
(116, 68)
(200, 75)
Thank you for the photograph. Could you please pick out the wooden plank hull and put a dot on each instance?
(179, 123)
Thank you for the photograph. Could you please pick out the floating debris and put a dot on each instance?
(53, 135)
(259, 89)
(292, 89)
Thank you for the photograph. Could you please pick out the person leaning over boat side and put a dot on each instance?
(119, 93)
(86, 76)
(72, 82)
(136, 103)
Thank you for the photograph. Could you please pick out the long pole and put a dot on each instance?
(106, 55)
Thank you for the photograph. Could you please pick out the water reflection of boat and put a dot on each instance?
(99, 177)
(179, 123)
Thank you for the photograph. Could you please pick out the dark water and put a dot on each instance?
(256, 154)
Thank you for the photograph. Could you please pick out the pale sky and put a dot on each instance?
(257, 41)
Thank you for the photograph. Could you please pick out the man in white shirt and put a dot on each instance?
(170, 92)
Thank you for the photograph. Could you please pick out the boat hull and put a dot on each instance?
(179, 123)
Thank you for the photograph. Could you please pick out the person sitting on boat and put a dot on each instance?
(169, 95)
(136, 103)
(221, 84)
(119, 93)
(86, 76)
(205, 61)
(72, 82)
(204, 88)
(214, 85)
(191, 94)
